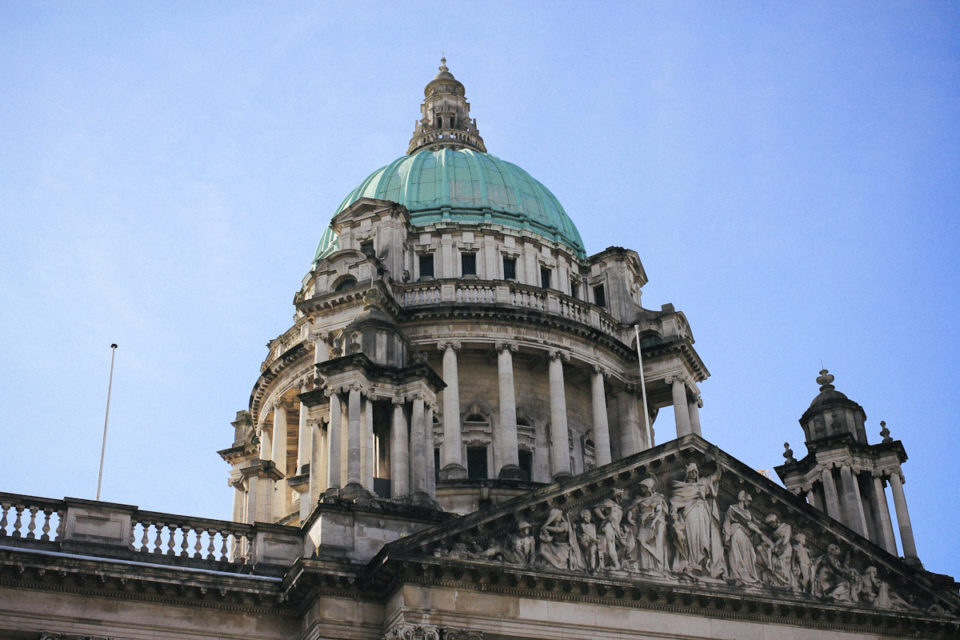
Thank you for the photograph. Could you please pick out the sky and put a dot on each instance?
(787, 172)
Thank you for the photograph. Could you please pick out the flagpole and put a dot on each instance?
(643, 388)
(106, 417)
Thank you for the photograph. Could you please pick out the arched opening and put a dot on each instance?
(347, 282)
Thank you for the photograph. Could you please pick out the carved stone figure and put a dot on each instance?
(558, 543)
(834, 579)
(521, 547)
(802, 564)
(738, 529)
(652, 527)
(776, 554)
(612, 540)
(589, 541)
(696, 522)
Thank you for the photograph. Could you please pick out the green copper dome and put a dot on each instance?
(463, 185)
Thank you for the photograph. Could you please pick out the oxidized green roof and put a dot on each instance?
(463, 185)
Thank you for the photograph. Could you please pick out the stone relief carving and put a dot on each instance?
(431, 632)
(685, 536)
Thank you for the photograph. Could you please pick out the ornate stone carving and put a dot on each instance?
(405, 631)
(686, 535)
(449, 633)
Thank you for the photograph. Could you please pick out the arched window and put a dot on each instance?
(348, 282)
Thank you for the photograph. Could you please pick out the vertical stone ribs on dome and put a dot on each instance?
(445, 120)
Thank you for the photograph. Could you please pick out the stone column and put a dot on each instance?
(830, 495)
(813, 498)
(368, 464)
(853, 501)
(631, 422)
(280, 437)
(399, 452)
(266, 444)
(693, 410)
(451, 458)
(428, 445)
(601, 427)
(903, 517)
(317, 475)
(559, 438)
(418, 448)
(354, 472)
(304, 440)
(506, 434)
(334, 439)
(679, 389)
(882, 510)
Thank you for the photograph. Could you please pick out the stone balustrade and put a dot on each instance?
(30, 518)
(126, 532)
(456, 291)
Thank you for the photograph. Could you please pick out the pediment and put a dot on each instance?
(683, 517)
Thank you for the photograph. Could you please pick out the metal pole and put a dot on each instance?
(643, 388)
(106, 417)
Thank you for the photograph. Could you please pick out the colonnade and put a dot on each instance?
(862, 506)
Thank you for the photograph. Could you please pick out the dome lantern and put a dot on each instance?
(445, 120)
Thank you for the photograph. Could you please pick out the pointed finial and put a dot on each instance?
(443, 64)
(825, 380)
(788, 453)
(884, 432)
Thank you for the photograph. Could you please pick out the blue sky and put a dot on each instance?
(786, 171)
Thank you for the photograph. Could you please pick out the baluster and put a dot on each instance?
(17, 524)
(32, 524)
(183, 543)
(158, 540)
(145, 538)
(45, 531)
(225, 551)
(61, 522)
(4, 506)
(171, 540)
(197, 547)
(211, 547)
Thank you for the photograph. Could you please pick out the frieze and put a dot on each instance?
(682, 526)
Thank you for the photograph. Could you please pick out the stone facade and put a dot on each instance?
(455, 441)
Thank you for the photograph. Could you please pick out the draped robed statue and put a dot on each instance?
(696, 524)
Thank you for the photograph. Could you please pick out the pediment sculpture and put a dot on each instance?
(690, 526)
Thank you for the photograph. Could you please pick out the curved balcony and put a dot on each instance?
(505, 293)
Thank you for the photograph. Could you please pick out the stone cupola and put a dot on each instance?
(833, 414)
(445, 120)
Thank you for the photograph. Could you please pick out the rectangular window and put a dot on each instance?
(436, 466)
(426, 265)
(526, 463)
(366, 248)
(468, 264)
(477, 462)
(599, 296)
(509, 268)
(545, 277)
(574, 289)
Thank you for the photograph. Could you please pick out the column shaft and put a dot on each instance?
(280, 438)
(399, 453)
(682, 418)
(266, 443)
(882, 510)
(451, 459)
(630, 427)
(431, 461)
(830, 495)
(318, 474)
(559, 438)
(693, 410)
(903, 517)
(368, 463)
(853, 501)
(506, 434)
(418, 449)
(304, 440)
(601, 427)
(354, 472)
(334, 439)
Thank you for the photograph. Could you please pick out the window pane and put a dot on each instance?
(468, 264)
(426, 266)
(509, 268)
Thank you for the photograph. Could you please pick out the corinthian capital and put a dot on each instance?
(448, 344)
(502, 346)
